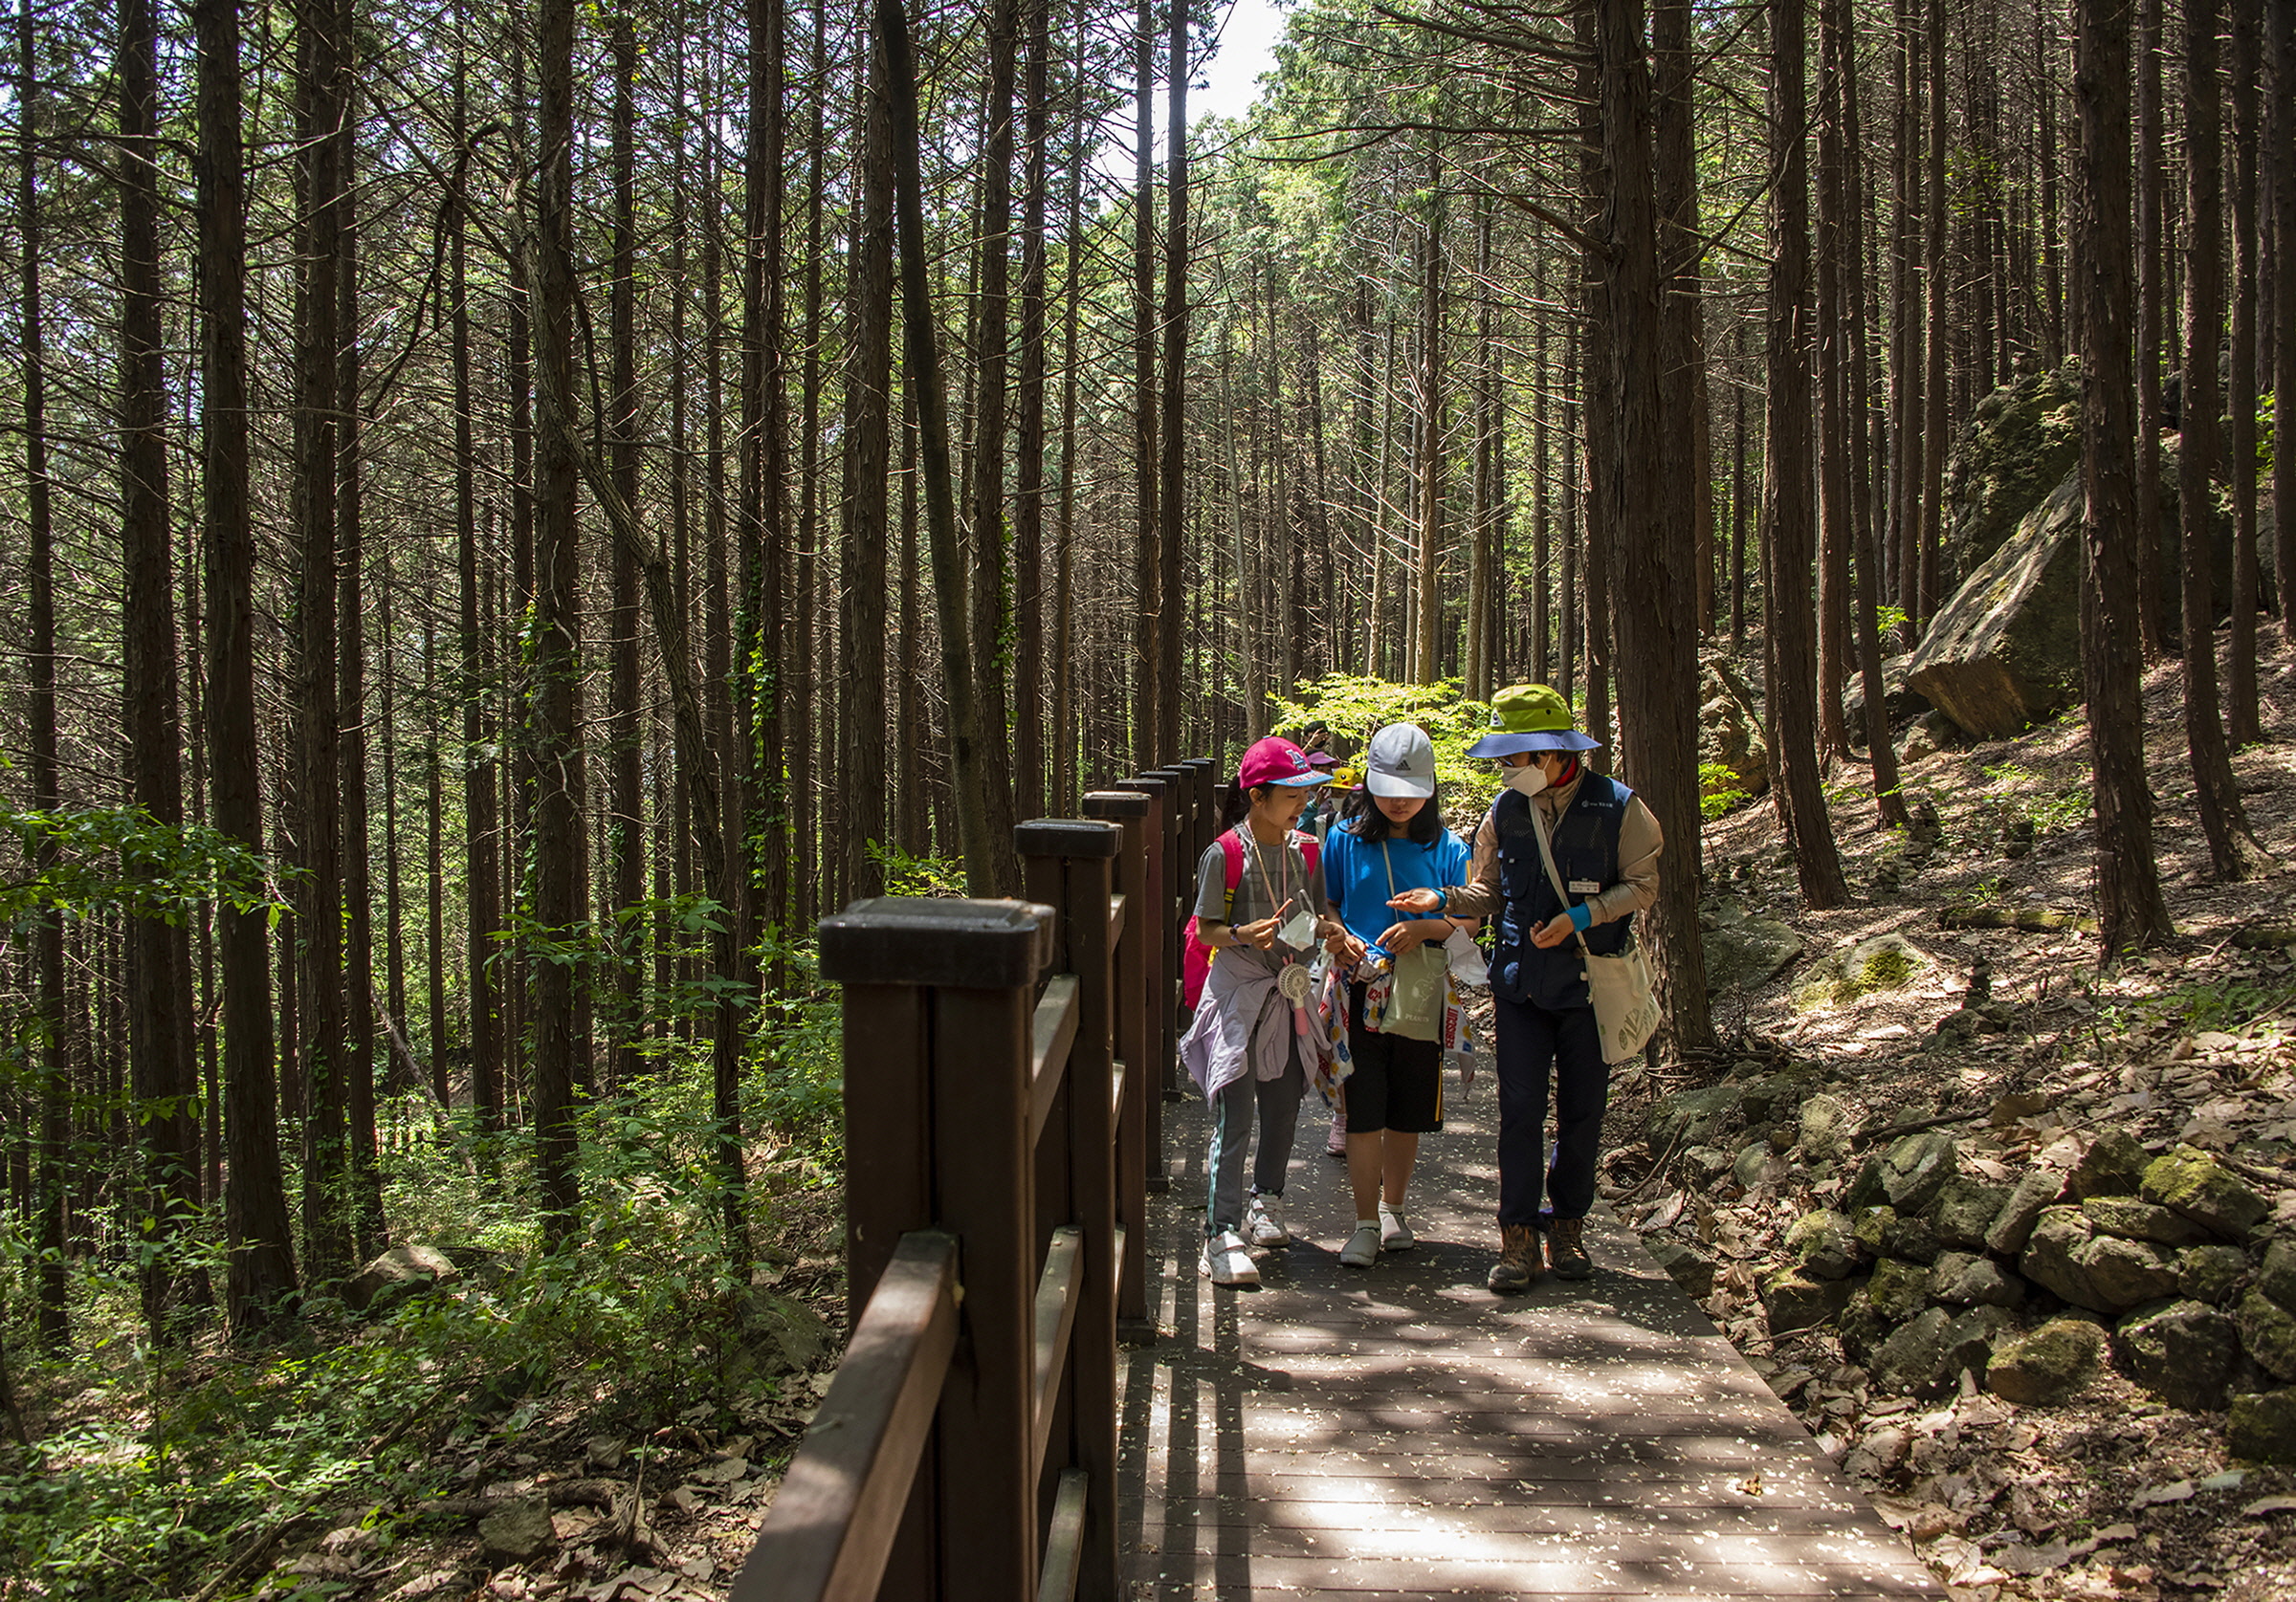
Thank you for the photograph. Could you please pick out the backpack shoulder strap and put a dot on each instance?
(1311, 848)
(1231, 852)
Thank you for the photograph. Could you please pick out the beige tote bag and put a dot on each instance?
(1625, 1011)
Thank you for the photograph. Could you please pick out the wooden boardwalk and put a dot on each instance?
(1403, 1432)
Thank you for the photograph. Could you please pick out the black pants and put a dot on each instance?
(1530, 1041)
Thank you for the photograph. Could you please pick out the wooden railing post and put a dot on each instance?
(1139, 1132)
(938, 999)
(1203, 809)
(1160, 952)
(1070, 864)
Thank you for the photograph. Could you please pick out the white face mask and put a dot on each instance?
(1527, 779)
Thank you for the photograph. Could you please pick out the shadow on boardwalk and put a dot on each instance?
(1402, 1431)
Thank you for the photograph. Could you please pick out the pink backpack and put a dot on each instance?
(1196, 957)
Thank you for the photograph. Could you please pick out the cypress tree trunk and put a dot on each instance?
(1170, 507)
(862, 541)
(1028, 497)
(626, 813)
(1832, 362)
(2247, 581)
(364, 1178)
(2152, 300)
(921, 365)
(47, 942)
(160, 1003)
(316, 705)
(2232, 848)
(991, 610)
(482, 912)
(1433, 403)
(1786, 483)
(2129, 909)
(1147, 647)
(2282, 18)
(1654, 553)
(261, 1273)
(554, 650)
(1934, 366)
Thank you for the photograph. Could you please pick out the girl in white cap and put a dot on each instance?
(1391, 840)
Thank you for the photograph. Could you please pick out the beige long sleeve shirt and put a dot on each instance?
(1639, 843)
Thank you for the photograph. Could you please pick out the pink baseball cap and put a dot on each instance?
(1274, 761)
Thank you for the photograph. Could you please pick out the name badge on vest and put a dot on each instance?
(1585, 887)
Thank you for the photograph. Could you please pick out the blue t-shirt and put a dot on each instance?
(1354, 875)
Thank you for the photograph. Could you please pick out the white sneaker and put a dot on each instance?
(1395, 1231)
(1226, 1261)
(1362, 1248)
(1264, 1222)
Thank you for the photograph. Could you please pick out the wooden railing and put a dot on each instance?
(1005, 1063)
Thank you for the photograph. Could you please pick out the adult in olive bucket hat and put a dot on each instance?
(1605, 844)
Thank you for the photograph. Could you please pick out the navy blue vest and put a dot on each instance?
(1585, 842)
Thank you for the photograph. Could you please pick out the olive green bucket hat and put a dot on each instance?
(1529, 717)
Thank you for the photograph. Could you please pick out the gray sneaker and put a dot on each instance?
(1362, 1248)
(1264, 1222)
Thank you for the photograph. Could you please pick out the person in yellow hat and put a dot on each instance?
(1606, 846)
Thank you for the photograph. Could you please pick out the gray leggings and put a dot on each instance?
(1277, 1105)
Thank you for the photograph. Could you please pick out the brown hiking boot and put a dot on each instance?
(1566, 1249)
(1518, 1259)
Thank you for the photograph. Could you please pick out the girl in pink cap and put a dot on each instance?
(1260, 909)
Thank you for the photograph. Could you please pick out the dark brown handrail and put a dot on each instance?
(1005, 1063)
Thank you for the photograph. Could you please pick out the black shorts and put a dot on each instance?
(1396, 1084)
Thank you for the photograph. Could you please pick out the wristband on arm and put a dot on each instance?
(1583, 918)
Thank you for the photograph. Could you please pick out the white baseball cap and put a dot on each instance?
(1400, 762)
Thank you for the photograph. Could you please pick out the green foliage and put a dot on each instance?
(1355, 707)
(116, 858)
(2229, 1004)
(2039, 799)
(918, 875)
(636, 1324)
(1718, 792)
(1888, 619)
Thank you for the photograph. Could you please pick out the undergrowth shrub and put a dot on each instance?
(164, 1462)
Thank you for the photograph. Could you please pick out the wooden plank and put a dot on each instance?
(1402, 1432)
(1051, 1032)
(1055, 1316)
(832, 1522)
(1064, 1546)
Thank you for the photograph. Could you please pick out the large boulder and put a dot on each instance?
(2004, 652)
(399, 1273)
(1732, 741)
(1901, 704)
(1742, 952)
(2018, 444)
